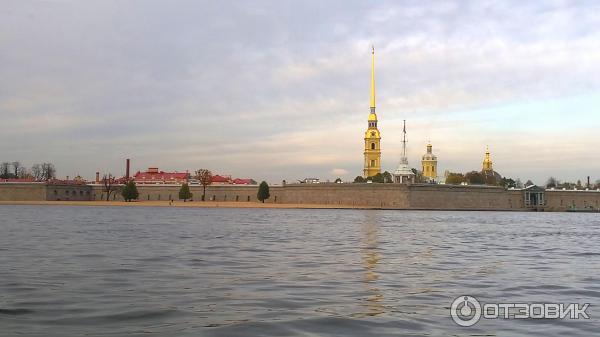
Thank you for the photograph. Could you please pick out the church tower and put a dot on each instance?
(487, 161)
(429, 164)
(372, 136)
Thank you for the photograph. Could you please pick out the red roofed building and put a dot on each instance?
(221, 180)
(18, 180)
(154, 176)
(239, 181)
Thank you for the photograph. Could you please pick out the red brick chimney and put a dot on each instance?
(97, 177)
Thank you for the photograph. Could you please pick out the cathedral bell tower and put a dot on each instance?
(372, 136)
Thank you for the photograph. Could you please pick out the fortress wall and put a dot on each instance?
(68, 192)
(22, 191)
(393, 196)
(460, 197)
(558, 200)
(239, 193)
(371, 195)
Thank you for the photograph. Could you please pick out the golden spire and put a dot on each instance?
(487, 160)
(372, 79)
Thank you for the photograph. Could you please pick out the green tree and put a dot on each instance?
(184, 192)
(552, 182)
(359, 179)
(263, 191)
(474, 178)
(387, 177)
(338, 181)
(489, 179)
(129, 191)
(378, 178)
(508, 183)
(418, 176)
(455, 178)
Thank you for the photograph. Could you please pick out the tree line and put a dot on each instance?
(552, 182)
(479, 178)
(38, 172)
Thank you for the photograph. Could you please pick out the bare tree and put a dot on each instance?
(36, 171)
(204, 176)
(23, 173)
(48, 171)
(16, 166)
(109, 185)
(5, 170)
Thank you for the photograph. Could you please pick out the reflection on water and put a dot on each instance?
(370, 255)
(101, 271)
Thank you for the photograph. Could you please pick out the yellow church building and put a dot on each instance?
(372, 135)
(429, 164)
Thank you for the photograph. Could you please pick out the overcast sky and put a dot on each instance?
(280, 89)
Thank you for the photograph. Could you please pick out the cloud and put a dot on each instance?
(279, 90)
(339, 172)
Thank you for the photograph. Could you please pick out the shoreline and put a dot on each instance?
(230, 204)
(190, 204)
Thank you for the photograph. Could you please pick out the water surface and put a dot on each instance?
(114, 271)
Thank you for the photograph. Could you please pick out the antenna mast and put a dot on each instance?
(404, 140)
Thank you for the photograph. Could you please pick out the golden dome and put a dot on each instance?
(372, 117)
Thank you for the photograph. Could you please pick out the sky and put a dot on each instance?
(276, 90)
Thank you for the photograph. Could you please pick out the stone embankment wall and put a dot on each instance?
(559, 200)
(22, 191)
(391, 196)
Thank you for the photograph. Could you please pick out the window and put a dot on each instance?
(237, 198)
(373, 163)
(372, 146)
(248, 198)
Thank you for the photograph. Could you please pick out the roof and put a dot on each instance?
(240, 181)
(152, 175)
(18, 180)
(220, 179)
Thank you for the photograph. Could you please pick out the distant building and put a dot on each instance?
(404, 174)
(221, 180)
(227, 180)
(372, 154)
(154, 176)
(310, 181)
(429, 164)
(239, 181)
(490, 176)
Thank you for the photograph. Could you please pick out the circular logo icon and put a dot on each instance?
(465, 310)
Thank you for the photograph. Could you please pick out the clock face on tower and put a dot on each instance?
(372, 133)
